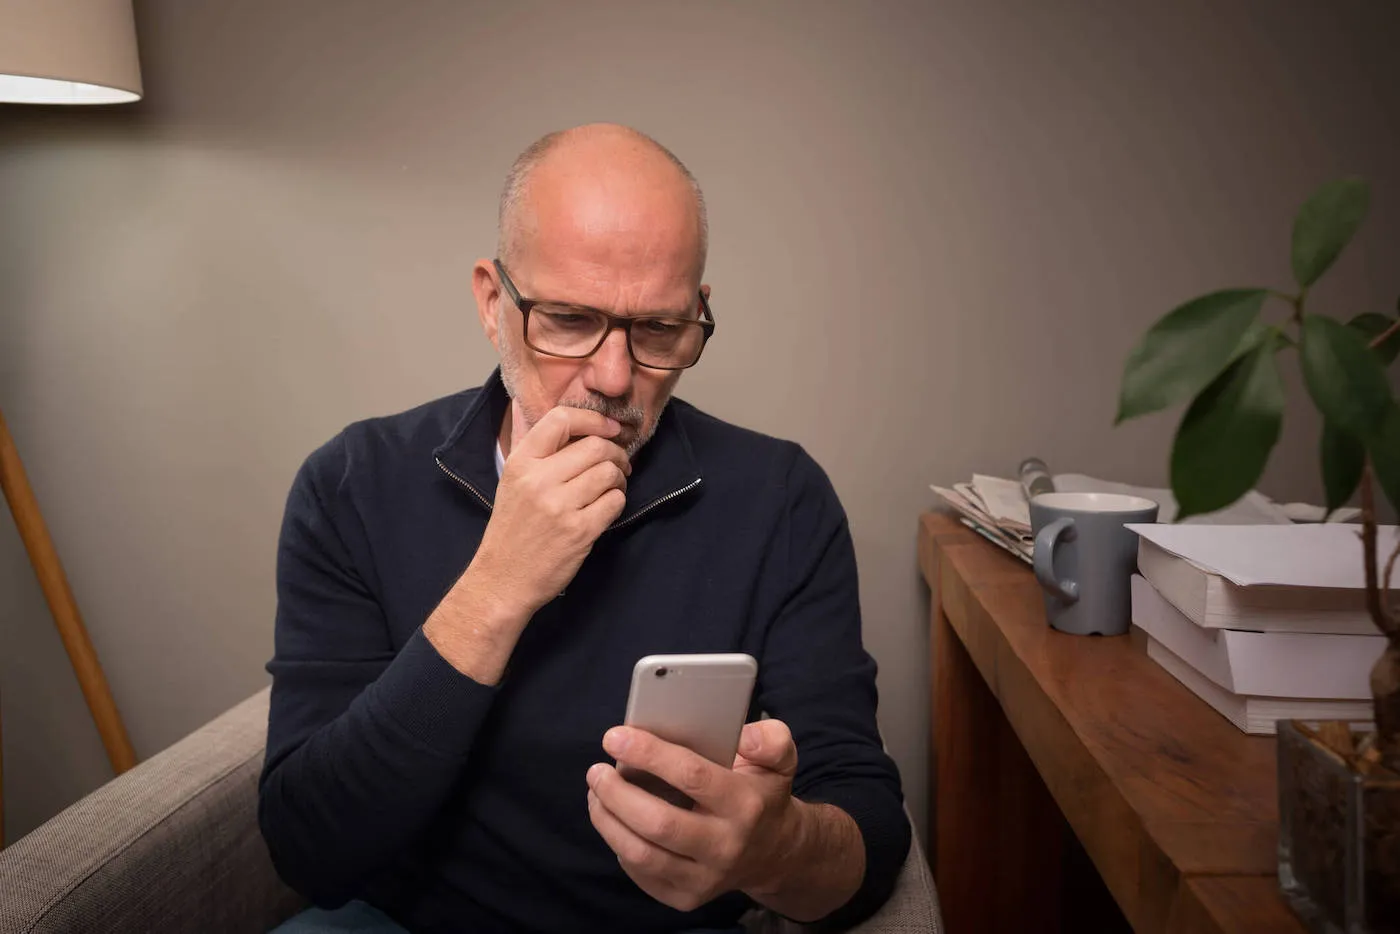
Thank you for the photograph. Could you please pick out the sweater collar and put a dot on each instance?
(663, 469)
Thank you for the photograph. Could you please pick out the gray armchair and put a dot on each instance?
(173, 846)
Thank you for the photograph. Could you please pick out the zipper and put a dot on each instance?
(653, 504)
(616, 525)
(473, 490)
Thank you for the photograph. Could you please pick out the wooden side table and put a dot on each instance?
(1176, 808)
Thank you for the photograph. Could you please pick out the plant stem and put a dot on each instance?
(1377, 596)
(1385, 583)
(1298, 305)
(1385, 335)
(1385, 674)
(1374, 603)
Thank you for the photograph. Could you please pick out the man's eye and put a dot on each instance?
(569, 319)
(661, 328)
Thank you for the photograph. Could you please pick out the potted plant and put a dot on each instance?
(1339, 784)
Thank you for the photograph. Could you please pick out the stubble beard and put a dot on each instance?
(636, 430)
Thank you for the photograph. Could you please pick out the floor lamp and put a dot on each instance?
(65, 52)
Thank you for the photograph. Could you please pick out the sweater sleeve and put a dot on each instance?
(364, 743)
(817, 678)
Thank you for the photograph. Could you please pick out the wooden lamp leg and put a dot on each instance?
(35, 534)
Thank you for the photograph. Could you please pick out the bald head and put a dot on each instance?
(600, 180)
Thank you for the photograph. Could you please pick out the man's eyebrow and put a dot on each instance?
(689, 310)
(686, 312)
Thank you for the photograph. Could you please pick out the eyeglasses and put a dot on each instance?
(560, 329)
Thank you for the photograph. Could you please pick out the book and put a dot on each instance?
(1263, 664)
(1295, 578)
(1251, 714)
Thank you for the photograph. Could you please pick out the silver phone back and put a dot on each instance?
(696, 701)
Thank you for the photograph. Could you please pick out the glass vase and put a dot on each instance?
(1339, 839)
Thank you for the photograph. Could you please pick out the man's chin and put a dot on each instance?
(630, 440)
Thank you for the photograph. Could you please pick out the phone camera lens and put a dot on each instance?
(661, 672)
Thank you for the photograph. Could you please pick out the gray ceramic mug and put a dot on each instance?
(1085, 558)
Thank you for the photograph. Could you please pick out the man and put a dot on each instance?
(465, 587)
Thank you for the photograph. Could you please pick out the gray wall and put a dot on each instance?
(937, 230)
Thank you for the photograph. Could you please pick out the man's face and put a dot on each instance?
(620, 245)
(609, 381)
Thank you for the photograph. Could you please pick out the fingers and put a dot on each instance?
(629, 845)
(582, 454)
(665, 876)
(585, 489)
(605, 510)
(686, 771)
(674, 829)
(768, 744)
(561, 423)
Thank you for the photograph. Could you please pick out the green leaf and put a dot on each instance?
(1343, 455)
(1325, 224)
(1373, 325)
(1344, 378)
(1253, 335)
(1225, 438)
(1384, 449)
(1185, 350)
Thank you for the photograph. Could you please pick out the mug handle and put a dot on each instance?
(1062, 529)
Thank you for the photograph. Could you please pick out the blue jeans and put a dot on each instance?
(363, 918)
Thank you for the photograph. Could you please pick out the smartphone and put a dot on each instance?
(696, 701)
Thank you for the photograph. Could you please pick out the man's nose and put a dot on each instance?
(610, 367)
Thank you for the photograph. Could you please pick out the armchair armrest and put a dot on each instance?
(172, 844)
(912, 907)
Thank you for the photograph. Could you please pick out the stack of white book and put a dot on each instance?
(1262, 622)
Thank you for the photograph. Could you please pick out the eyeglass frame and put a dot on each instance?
(625, 322)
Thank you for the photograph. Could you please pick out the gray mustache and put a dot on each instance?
(618, 411)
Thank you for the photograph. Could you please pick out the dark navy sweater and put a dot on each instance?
(455, 806)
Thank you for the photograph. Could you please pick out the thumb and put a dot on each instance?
(768, 744)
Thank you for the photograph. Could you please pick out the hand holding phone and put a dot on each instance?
(743, 821)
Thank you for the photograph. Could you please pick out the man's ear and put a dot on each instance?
(488, 298)
(705, 290)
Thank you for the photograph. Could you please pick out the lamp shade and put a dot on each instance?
(68, 52)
